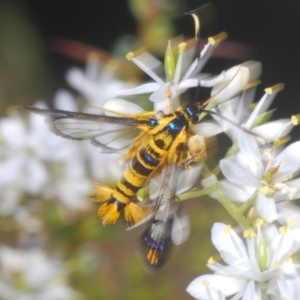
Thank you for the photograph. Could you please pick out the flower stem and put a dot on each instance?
(236, 213)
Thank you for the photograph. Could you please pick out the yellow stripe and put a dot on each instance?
(152, 149)
(134, 178)
(123, 198)
(152, 256)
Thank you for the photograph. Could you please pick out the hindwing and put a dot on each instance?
(167, 225)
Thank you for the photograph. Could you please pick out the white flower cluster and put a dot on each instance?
(258, 172)
(31, 275)
(258, 266)
(36, 164)
(262, 175)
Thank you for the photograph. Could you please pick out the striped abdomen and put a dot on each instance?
(167, 136)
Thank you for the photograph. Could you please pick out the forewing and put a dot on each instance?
(110, 133)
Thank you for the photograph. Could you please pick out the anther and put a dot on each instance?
(218, 38)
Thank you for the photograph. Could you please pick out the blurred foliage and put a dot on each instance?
(154, 19)
(23, 69)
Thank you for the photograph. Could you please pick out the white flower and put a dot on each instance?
(256, 267)
(289, 216)
(95, 83)
(73, 186)
(231, 82)
(41, 277)
(32, 158)
(163, 90)
(238, 110)
(248, 173)
(23, 155)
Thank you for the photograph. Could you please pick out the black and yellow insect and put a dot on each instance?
(161, 145)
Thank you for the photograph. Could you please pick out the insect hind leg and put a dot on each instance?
(111, 209)
(200, 149)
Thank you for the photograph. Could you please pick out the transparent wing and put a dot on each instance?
(110, 133)
(168, 224)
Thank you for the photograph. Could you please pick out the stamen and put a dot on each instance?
(186, 45)
(181, 47)
(130, 55)
(281, 141)
(252, 85)
(265, 190)
(259, 222)
(205, 283)
(253, 105)
(290, 222)
(135, 53)
(282, 230)
(218, 38)
(275, 88)
(246, 233)
(211, 261)
(249, 233)
(227, 229)
(295, 119)
(267, 151)
(277, 265)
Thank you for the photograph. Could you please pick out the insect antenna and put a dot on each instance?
(247, 131)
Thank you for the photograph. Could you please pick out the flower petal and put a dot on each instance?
(215, 286)
(207, 129)
(141, 89)
(64, 100)
(150, 65)
(237, 174)
(229, 244)
(234, 191)
(289, 160)
(187, 83)
(121, 106)
(236, 79)
(252, 292)
(266, 208)
(273, 130)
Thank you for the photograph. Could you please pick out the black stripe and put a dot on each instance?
(121, 191)
(148, 157)
(140, 169)
(155, 155)
(160, 143)
(119, 204)
(129, 186)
